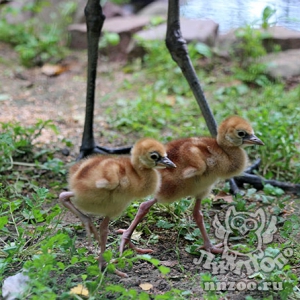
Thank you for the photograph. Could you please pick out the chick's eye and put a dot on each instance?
(241, 133)
(154, 156)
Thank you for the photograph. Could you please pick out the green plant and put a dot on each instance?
(250, 49)
(161, 69)
(282, 144)
(109, 39)
(17, 141)
(37, 42)
(267, 14)
(151, 112)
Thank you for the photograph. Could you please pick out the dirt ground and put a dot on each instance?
(28, 94)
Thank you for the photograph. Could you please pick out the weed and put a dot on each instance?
(35, 41)
(250, 49)
(109, 39)
(150, 115)
(18, 141)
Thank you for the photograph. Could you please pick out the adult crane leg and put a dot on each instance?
(179, 52)
(94, 20)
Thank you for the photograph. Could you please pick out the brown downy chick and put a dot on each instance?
(105, 185)
(200, 162)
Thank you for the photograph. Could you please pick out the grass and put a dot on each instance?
(37, 42)
(36, 239)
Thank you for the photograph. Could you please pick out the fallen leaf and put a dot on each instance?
(257, 275)
(79, 290)
(53, 70)
(136, 235)
(169, 263)
(169, 100)
(41, 252)
(223, 196)
(146, 286)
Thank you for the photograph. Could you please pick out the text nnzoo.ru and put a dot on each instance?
(242, 286)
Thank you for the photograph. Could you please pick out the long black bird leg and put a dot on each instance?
(179, 52)
(94, 20)
(235, 185)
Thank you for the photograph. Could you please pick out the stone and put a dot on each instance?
(14, 286)
(129, 24)
(283, 65)
(110, 10)
(78, 39)
(284, 37)
(79, 16)
(125, 27)
(225, 43)
(204, 31)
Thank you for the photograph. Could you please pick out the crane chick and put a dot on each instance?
(201, 162)
(105, 185)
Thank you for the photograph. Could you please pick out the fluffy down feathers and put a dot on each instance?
(201, 161)
(105, 185)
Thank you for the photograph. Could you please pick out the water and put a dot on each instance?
(236, 13)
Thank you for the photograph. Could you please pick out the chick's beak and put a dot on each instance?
(164, 162)
(253, 140)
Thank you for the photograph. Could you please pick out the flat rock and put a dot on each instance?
(283, 65)
(110, 10)
(226, 43)
(124, 26)
(284, 37)
(204, 31)
(129, 24)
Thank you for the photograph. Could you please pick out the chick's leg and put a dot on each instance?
(126, 234)
(64, 198)
(103, 240)
(198, 216)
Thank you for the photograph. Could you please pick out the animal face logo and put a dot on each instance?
(245, 225)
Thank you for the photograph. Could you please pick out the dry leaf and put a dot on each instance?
(136, 235)
(146, 286)
(53, 70)
(223, 196)
(41, 252)
(79, 290)
(169, 263)
(169, 100)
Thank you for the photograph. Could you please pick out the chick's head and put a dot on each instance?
(236, 132)
(149, 153)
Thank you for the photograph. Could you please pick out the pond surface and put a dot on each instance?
(236, 13)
